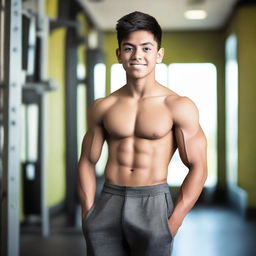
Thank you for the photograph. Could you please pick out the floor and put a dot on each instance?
(213, 230)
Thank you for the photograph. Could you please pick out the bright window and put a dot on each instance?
(198, 81)
(99, 80)
(81, 106)
(231, 110)
(29, 141)
(81, 115)
(117, 77)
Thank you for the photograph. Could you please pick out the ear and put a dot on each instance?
(160, 55)
(118, 55)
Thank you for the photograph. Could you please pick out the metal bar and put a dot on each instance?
(2, 12)
(43, 26)
(42, 149)
(59, 23)
(71, 125)
(12, 105)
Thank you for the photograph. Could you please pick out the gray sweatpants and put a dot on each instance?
(130, 221)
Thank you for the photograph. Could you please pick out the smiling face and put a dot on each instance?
(139, 54)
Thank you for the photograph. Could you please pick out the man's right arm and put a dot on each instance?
(90, 153)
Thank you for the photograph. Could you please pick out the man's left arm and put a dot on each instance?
(191, 143)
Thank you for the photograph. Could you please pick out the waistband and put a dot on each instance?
(136, 190)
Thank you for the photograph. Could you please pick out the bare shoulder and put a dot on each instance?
(183, 109)
(99, 107)
(180, 103)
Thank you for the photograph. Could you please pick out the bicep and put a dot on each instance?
(189, 135)
(94, 137)
(92, 144)
(191, 146)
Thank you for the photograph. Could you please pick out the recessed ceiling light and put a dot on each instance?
(195, 14)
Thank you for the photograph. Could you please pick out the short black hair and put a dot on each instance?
(138, 21)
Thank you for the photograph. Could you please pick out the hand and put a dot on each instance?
(85, 211)
(173, 225)
(84, 214)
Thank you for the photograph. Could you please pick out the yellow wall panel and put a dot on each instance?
(56, 119)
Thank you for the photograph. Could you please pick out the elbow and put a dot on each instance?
(85, 164)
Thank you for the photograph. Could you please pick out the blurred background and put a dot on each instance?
(57, 56)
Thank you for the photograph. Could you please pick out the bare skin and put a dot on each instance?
(143, 124)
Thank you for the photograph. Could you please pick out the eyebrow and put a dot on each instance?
(143, 44)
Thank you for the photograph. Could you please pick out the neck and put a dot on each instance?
(140, 87)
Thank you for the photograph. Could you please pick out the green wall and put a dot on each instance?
(55, 165)
(185, 47)
(243, 24)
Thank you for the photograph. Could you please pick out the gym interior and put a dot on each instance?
(57, 56)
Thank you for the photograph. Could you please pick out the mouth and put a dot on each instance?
(137, 64)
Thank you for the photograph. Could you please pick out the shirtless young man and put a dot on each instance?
(143, 123)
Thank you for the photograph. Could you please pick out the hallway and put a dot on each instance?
(57, 57)
(208, 230)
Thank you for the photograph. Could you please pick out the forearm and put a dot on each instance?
(86, 185)
(190, 190)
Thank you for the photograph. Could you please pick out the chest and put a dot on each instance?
(149, 120)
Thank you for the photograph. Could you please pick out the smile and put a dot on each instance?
(137, 64)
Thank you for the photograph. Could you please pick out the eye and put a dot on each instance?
(146, 49)
(128, 49)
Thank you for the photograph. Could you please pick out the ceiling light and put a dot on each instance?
(195, 14)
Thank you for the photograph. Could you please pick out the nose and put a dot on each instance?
(137, 54)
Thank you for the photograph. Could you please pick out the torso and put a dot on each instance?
(140, 139)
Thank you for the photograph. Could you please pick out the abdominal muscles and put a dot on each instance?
(136, 161)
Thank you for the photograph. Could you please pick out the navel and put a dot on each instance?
(155, 135)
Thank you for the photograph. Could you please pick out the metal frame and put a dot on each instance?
(36, 91)
(69, 12)
(71, 121)
(71, 129)
(11, 154)
(43, 27)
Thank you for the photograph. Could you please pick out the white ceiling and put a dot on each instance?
(169, 13)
